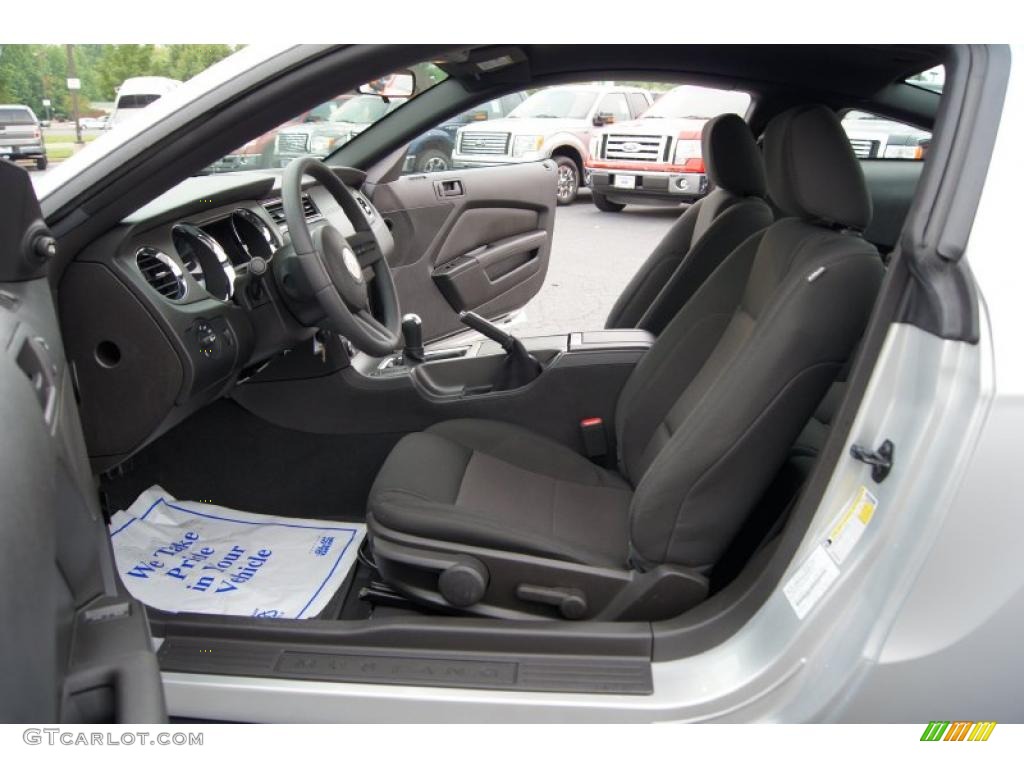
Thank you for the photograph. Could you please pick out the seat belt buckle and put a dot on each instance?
(595, 441)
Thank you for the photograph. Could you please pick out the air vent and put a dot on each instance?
(161, 272)
(276, 210)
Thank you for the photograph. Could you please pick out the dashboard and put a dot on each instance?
(177, 304)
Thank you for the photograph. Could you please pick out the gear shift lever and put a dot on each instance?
(412, 332)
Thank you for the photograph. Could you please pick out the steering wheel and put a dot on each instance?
(332, 271)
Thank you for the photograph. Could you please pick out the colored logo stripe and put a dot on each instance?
(960, 730)
(982, 731)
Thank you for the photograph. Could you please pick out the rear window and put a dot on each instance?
(10, 116)
(931, 79)
(136, 100)
(637, 102)
(878, 138)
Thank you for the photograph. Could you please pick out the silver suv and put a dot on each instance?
(552, 123)
(21, 136)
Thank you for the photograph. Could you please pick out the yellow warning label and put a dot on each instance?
(850, 524)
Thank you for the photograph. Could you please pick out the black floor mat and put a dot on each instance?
(225, 455)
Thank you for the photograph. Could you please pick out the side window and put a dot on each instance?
(614, 104)
(510, 102)
(637, 103)
(874, 137)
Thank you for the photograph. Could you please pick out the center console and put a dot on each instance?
(483, 366)
(563, 380)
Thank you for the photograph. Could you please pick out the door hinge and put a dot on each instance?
(880, 461)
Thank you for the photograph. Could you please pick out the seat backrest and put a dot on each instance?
(709, 414)
(706, 232)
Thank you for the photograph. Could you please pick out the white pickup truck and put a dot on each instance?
(554, 123)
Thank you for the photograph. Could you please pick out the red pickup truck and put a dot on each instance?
(657, 157)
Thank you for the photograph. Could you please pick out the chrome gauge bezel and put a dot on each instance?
(263, 229)
(214, 249)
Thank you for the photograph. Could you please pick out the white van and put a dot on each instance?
(136, 93)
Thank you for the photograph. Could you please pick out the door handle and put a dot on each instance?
(449, 188)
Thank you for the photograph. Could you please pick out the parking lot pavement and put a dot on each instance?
(593, 256)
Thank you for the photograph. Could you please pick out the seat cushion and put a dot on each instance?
(496, 485)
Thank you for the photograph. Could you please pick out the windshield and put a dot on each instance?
(693, 101)
(557, 103)
(136, 100)
(328, 126)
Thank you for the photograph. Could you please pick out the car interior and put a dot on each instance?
(613, 494)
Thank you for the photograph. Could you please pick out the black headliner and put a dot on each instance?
(841, 76)
(854, 70)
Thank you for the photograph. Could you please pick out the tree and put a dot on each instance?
(20, 76)
(54, 78)
(88, 58)
(184, 62)
(31, 73)
(119, 62)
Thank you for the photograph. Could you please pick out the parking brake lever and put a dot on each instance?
(490, 330)
(520, 366)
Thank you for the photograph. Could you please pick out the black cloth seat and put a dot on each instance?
(703, 424)
(705, 234)
(493, 484)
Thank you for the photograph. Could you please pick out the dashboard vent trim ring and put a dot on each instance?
(275, 209)
(162, 273)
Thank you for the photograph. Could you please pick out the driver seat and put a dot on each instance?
(489, 518)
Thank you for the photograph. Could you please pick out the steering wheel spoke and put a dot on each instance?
(329, 259)
(371, 323)
(365, 245)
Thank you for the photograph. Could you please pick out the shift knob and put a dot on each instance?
(412, 332)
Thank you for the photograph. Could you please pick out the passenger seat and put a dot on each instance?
(705, 234)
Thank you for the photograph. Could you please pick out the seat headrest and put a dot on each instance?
(731, 156)
(812, 171)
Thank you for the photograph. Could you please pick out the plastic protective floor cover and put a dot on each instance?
(191, 556)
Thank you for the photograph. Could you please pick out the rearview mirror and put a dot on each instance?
(395, 85)
(603, 118)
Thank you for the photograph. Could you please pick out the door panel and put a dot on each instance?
(470, 239)
(75, 646)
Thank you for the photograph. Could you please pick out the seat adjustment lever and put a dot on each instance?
(880, 461)
(570, 602)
